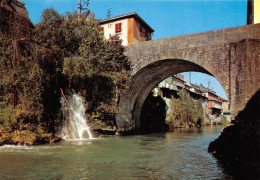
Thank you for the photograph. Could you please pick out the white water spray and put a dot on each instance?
(75, 126)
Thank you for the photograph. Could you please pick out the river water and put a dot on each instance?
(181, 154)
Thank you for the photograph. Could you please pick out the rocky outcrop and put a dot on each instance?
(238, 146)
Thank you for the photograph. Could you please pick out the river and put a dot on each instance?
(181, 154)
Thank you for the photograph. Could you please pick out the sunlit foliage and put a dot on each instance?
(185, 111)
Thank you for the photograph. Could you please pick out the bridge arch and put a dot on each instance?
(148, 77)
(231, 55)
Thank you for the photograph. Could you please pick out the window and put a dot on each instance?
(101, 29)
(141, 31)
(147, 36)
(118, 28)
(144, 34)
(138, 25)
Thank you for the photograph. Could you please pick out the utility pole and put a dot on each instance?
(79, 7)
(81, 4)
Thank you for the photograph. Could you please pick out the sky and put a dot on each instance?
(167, 18)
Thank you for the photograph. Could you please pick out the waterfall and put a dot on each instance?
(74, 126)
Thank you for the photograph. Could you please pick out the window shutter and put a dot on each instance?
(118, 27)
(101, 29)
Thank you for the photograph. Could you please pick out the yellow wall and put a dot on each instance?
(256, 11)
(131, 31)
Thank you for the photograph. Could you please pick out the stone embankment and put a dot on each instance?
(238, 146)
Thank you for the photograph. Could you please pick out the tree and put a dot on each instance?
(99, 70)
(185, 111)
(86, 62)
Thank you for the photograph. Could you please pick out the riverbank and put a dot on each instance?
(238, 146)
(112, 131)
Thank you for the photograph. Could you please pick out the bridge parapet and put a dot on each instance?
(160, 48)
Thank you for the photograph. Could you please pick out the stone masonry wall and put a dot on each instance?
(245, 72)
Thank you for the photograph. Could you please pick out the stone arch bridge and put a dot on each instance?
(231, 55)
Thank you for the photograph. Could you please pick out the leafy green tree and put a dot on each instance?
(99, 70)
(87, 61)
(184, 111)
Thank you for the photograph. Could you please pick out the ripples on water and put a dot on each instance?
(178, 155)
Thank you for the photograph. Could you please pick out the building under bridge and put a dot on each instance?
(212, 104)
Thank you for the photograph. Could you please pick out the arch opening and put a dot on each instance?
(179, 102)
